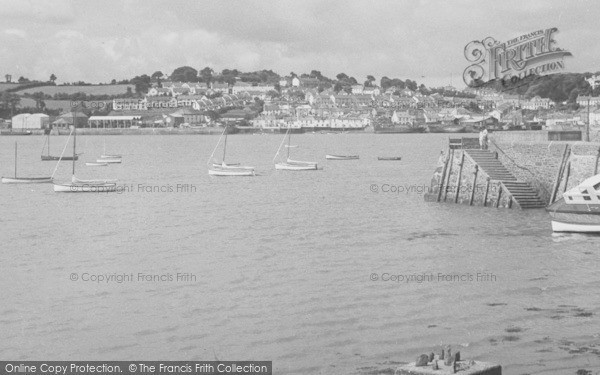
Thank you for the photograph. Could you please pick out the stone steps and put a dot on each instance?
(523, 194)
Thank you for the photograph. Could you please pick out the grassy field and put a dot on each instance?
(90, 90)
(5, 86)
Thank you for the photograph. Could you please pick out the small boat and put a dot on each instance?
(289, 164)
(224, 169)
(579, 208)
(109, 156)
(96, 164)
(83, 186)
(389, 158)
(230, 172)
(109, 161)
(49, 157)
(15, 132)
(232, 166)
(341, 157)
(24, 180)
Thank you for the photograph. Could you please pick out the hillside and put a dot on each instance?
(70, 89)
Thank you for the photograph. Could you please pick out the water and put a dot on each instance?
(283, 261)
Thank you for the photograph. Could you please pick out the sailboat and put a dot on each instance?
(49, 157)
(24, 180)
(83, 186)
(289, 164)
(110, 159)
(224, 169)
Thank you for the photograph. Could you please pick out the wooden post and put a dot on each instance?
(449, 173)
(487, 189)
(474, 186)
(499, 195)
(596, 165)
(567, 176)
(559, 175)
(510, 201)
(460, 168)
(443, 176)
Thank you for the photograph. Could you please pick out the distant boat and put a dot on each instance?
(109, 161)
(24, 180)
(341, 157)
(579, 209)
(389, 158)
(224, 169)
(15, 132)
(83, 186)
(109, 156)
(49, 157)
(96, 164)
(289, 164)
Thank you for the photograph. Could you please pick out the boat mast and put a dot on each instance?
(289, 143)
(15, 159)
(225, 144)
(74, 143)
(48, 143)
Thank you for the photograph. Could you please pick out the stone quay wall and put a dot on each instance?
(537, 161)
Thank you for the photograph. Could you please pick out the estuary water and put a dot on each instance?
(346, 270)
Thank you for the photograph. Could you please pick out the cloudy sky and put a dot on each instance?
(96, 41)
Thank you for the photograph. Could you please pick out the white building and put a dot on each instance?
(30, 121)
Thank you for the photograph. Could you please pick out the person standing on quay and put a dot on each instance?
(483, 138)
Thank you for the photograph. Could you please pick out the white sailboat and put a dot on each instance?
(224, 169)
(24, 180)
(82, 186)
(290, 164)
(109, 156)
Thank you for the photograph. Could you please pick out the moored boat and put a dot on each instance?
(85, 188)
(224, 169)
(54, 158)
(24, 180)
(109, 161)
(341, 157)
(289, 164)
(579, 208)
(389, 158)
(230, 172)
(295, 167)
(96, 164)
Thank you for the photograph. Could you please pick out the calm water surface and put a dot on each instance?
(283, 262)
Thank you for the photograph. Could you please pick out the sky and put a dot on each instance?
(97, 41)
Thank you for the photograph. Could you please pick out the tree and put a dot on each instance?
(52, 78)
(157, 75)
(342, 76)
(8, 78)
(9, 101)
(142, 84)
(185, 74)
(23, 80)
(207, 75)
(369, 81)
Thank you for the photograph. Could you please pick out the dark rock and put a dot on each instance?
(431, 356)
(457, 356)
(422, 360)
(442, 354)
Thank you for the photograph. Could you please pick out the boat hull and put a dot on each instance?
(49, 158)
(230, 172)
(96, 164)
(110, 156)
(26, 180)
(295, 167)
(581, 218)
(399, 130)
(341, 157)
(232, 167)
(85, 188)
(389, 158)
(109, 161)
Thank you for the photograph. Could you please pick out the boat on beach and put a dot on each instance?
(579, 208)
(341, 157)
(24, 180)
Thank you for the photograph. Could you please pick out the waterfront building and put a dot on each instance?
(30, 121)
(593, 101)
